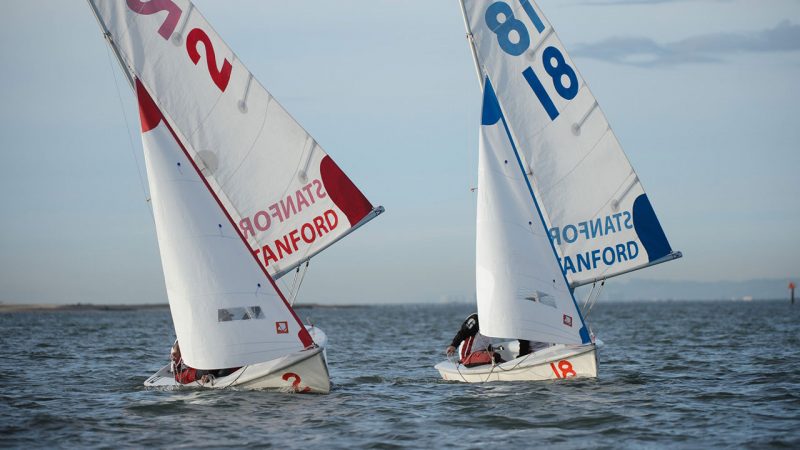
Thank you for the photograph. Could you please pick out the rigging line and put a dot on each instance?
(128, 132)
(235, 379)
(299, 283)
(286, 287)
(589, 297)
(294, 285)
(283, 283)
(602, 284)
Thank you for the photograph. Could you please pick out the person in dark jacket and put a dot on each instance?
(470, 340)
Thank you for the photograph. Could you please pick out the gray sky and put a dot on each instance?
(703, 96)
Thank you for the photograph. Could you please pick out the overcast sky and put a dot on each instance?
(702, 94)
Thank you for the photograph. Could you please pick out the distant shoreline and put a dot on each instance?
(42, 307)
(9, 308)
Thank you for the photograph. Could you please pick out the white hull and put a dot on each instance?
(305, 371)
(552, 363)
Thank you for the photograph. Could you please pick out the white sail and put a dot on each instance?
(521, 290)
(596, 211)
(286, 195)
(226, 310)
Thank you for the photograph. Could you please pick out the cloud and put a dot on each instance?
(706, 48)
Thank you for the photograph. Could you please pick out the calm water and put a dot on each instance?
(689, 375)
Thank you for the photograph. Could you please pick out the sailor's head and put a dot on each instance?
(175, 353)
(471, 321)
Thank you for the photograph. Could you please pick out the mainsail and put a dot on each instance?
(595, 209)
(288, 198)
(241, 193)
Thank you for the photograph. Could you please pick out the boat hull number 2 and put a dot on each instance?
(296, 383)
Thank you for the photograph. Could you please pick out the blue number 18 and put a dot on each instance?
(557, 72)
(503, 29)
(554, 63)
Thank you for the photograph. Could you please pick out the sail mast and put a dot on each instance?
(471, 40)
(110, 40)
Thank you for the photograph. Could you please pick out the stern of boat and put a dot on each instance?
(305, 372)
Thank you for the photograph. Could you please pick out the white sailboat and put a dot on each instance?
(241, 195)
(559, 205)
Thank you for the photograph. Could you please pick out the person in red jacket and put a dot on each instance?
(185, 374)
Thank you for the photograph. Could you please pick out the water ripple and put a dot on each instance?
(685, 375)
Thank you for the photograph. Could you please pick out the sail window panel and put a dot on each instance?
(240, 313)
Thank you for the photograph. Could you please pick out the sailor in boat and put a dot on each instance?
(475, 349)
(186, 375)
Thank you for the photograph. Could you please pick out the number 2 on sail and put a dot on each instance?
(553, 60)
(221, 76)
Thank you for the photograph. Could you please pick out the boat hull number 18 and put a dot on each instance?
(563, 369)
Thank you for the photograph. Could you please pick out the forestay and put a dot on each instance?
(521, 290)
(288, 198)
(226, 311)
(595, 208)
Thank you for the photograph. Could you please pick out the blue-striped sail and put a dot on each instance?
(594, 207)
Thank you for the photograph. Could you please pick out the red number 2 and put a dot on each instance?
(566, 369)
(296, 382)
(154, 6)
(220, 77)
